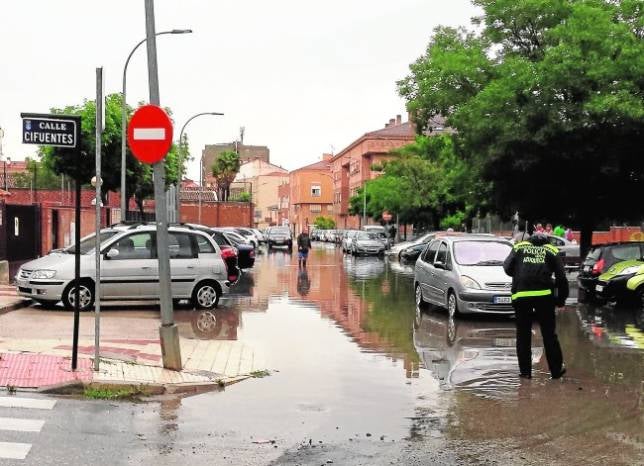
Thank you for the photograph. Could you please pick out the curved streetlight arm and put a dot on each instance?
(180, 174)
(124, 115)
(192, 118)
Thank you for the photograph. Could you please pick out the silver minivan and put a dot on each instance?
(465, 275)
(129, 269)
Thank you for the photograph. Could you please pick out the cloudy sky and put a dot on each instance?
(302, 77)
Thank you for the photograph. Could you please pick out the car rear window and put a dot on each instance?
(481, 252)
(626, 252)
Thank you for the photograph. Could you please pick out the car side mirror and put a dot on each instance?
(111, 254)
(439, 265)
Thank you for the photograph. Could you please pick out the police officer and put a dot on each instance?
(531, 264)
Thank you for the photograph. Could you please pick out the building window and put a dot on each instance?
(315, 208)
(329, 208)
(316, 190)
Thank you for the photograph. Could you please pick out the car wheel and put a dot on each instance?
(452, 305)
(86, 294)
(206, 295)
(420, 301)
(206, 324)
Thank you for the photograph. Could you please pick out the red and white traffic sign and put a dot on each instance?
(149, 134)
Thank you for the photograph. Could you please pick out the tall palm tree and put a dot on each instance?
(224, 169)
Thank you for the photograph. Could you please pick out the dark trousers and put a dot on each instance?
(543, 310)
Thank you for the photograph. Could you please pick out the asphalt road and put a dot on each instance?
(358, 379)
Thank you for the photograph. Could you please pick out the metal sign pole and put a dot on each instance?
(100, 119)
(77, 235)
(168, 332)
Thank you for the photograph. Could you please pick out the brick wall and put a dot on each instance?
(25, 196)
(218, 214)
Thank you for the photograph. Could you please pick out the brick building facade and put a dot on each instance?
(310, 194)
(351, 167)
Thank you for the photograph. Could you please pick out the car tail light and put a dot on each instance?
(598, 268)
(227, 253)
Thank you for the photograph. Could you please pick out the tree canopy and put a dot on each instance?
(547, 105)
(425, 183)
(324, 223)
(224, 169)
(138, 175)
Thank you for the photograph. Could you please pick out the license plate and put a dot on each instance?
(502, 300)
(599, 288)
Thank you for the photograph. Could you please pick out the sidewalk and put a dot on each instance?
(9, 299)
(35, 351)
(43, 363)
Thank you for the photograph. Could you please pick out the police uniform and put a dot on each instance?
(531, 264)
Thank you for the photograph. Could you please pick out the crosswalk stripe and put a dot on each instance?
(23, 425)
(29, 403)
(14, 451)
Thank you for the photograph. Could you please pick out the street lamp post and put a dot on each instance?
(180, 172)
(6, 162)
(124, 116)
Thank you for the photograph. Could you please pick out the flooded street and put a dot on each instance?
(357, 377)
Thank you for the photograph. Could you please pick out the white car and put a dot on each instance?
(129, 269)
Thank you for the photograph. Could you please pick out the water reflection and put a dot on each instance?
(473, 355)
(607, 326)
(370, 299)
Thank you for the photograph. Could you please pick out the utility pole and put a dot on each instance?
(168, 332)
(364, 204)
(100, 122)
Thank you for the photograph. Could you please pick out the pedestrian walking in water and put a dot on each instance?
(531, 264)
(303, 246)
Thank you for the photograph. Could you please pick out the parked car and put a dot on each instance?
(259, 235)
(464, 274)
(381, 232)
(411, 253)
(425, 239)
(245, 233)
(279, 236)
(347, 240)
(245, 250)
(623, 283)
(601, 258)
(229, 252)
(129, 269)
(367, 243)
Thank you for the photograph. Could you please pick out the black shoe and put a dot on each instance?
(561, 373)
(525, 376)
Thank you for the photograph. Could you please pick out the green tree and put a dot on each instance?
(138, 175)
(555, 120)
(224, 169)
(38, 175)
(324, 223)
(425, 182)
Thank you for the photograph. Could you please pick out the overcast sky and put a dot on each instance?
(302, 77)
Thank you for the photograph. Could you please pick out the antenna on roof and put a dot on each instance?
(332, 149)
(242, 130)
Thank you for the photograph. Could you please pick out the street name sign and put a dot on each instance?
(149, 134)
(50, 130)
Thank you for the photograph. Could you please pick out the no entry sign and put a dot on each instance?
(149, 134)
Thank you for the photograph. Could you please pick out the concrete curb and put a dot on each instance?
(15, 305)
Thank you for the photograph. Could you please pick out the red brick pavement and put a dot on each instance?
(37, 370)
